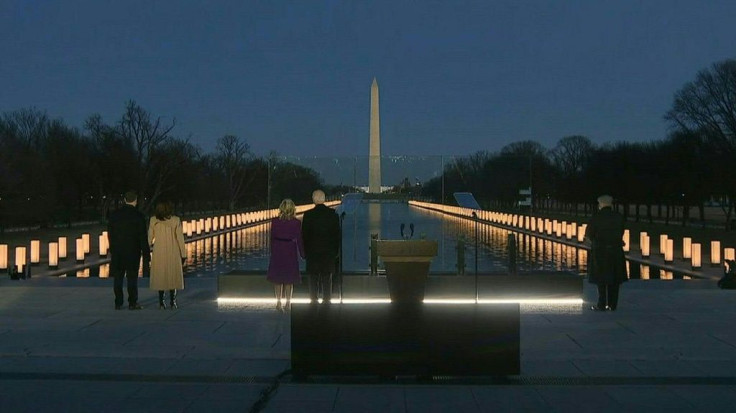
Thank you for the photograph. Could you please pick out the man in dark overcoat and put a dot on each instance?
(321, 236)
(128, 234)
(606, 261)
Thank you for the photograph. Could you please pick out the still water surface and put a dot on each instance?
(248, 248)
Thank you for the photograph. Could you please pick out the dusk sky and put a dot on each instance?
(455, 77)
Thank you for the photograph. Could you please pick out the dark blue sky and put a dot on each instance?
(455, 76)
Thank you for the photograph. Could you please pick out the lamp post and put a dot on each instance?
(53, 254)
(35, 251)
(3, 256)
(79, 250)
(86, 242)
(687, 243)
(669, 251)
(62, 247)
(645, 245)
(20, 259)
(662, 243)
(715, 253)
(339, 281)
(475, 218)
(696, 260)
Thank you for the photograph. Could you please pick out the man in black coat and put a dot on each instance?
(606, 261)
(126, 229)
(321, 235)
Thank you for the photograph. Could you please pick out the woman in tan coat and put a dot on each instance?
(169, 253)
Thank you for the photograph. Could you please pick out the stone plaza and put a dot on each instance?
(669, 347)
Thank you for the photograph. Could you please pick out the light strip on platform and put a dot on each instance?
(366, 301)
(448, 301)
(253, 300)
(547, 301)
(551, 301)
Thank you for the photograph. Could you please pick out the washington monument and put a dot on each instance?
(374, 163)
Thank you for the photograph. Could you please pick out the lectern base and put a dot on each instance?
(405, 339)
(406, 281)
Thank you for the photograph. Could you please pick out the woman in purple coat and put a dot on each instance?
(286, 248)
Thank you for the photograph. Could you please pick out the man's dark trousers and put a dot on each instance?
(608, 296)
(322, 267)
(122, 270)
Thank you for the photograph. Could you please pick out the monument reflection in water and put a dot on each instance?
(248, 248)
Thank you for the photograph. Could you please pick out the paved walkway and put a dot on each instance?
(670, 347)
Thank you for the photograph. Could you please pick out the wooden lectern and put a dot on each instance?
(407, 265)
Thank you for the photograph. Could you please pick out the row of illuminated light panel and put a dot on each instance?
(690, 250)
(574, 231)
(206, 244)
(57, 249)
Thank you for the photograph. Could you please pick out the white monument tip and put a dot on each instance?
(375, 83)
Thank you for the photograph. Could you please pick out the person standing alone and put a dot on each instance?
(606, 261)
(169, 253)
(321, 235)
(128, 243)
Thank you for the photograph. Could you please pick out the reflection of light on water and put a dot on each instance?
(666, 275)
(84, 273)
(535, 253)
(245, 248)
(374, 218)
(104, 270)
(583, 258)
(644, 269)
(248, 248)
(207, 255)
(570, 256)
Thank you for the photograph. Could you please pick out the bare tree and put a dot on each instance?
(570, 157)
(232, 157)
(572, 154)
(524, 148)
(30, 126)
(707, 106)
(148, 137)
(170, 158)
(114, 160)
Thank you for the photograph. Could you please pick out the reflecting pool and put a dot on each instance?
(248, 248)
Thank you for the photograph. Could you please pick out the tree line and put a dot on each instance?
(52, 173)
(694, 166)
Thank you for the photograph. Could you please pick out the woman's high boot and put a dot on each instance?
(172, 296)
(161, 304)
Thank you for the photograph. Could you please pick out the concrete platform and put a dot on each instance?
(670, 346)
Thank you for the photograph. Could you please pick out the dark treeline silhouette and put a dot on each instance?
(692, 167)
(666, 174)
(52, 173)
